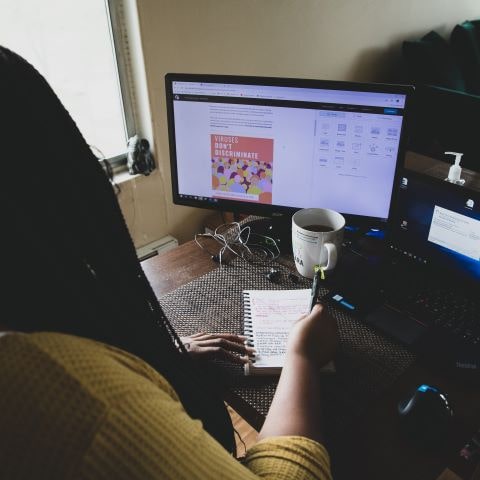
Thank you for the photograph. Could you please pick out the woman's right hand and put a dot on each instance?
(314, 337)
(295, 409)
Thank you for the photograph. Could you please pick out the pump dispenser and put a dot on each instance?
(455, 170)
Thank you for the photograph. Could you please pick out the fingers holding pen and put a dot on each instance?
(315, 336)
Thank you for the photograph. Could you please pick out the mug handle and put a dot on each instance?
(331, 255)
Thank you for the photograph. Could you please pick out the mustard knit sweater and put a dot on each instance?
(71, 408)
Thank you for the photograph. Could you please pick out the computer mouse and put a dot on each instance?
(426, 415)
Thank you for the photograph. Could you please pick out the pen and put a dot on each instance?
(315, 286)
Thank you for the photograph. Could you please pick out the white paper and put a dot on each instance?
(273, 314)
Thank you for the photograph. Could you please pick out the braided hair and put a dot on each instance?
(69, 262)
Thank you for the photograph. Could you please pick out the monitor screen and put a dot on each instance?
(270, 145)
(438, 224)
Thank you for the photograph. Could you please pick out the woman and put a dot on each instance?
(74, 403)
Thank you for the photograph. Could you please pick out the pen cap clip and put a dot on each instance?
(317, 269)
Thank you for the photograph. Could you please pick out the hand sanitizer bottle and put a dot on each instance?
(455, 170)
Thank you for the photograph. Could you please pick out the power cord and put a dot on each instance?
(240, 242)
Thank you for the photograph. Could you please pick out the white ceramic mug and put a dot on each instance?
(310, 247)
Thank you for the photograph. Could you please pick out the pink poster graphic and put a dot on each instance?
(242, 168)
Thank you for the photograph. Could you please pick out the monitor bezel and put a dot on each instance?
(237, 206)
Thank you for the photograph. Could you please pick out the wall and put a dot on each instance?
(327, 39)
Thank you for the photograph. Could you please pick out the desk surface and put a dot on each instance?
(373, 448)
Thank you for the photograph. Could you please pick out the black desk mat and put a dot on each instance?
(367, 362)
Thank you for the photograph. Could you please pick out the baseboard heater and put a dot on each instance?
(154, 248)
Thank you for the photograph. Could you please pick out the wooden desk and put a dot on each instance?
(374, 448)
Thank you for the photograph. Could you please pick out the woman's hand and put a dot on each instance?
(222, 346)
(296, 405)
(314, 337)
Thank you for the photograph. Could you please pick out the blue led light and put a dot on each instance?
(426, 388)
(348, 305)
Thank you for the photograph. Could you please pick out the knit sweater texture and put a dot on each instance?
(72, 408)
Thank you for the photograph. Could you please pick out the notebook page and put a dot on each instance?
(273, 312)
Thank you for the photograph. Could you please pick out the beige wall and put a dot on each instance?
(327, 39)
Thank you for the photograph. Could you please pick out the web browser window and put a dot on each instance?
(288, 146)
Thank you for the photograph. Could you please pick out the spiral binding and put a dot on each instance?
(248, 325)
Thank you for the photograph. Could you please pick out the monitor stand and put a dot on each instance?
(278, 227)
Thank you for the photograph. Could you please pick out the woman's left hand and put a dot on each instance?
(222, 346)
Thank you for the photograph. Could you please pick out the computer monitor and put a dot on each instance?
(270, 146)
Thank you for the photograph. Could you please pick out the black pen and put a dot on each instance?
(315, 287)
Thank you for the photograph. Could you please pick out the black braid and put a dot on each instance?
(71, 265)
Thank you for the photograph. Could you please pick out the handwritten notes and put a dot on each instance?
(269, 316)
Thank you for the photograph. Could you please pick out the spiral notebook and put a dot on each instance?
(268, 318)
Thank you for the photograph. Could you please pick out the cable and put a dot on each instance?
(235, 431)
(242, 243)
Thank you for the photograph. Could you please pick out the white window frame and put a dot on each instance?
(118, 34)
